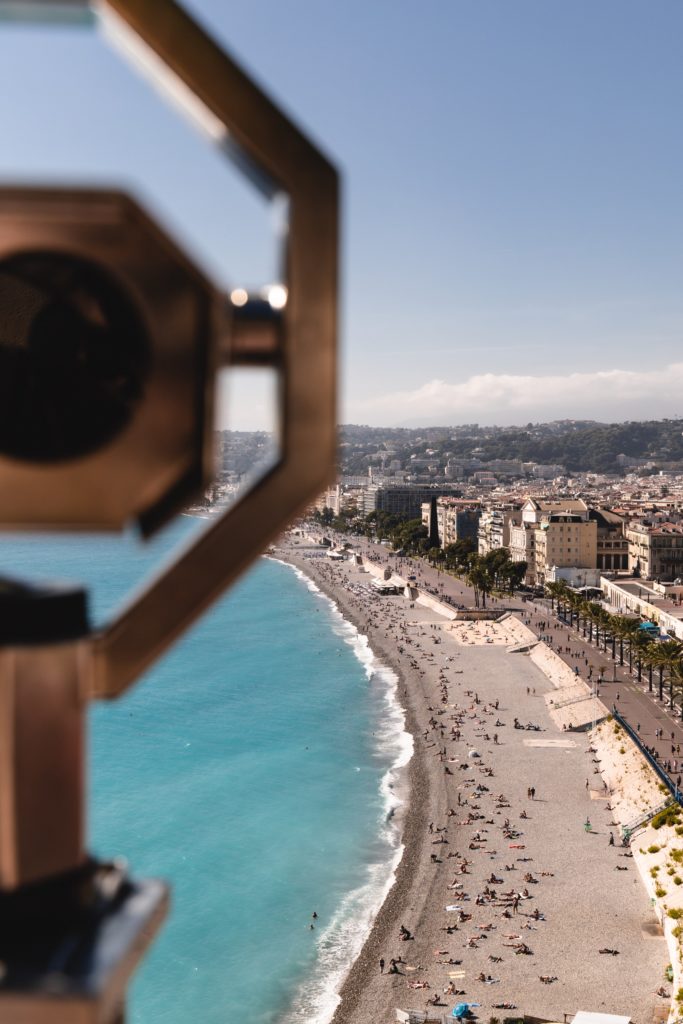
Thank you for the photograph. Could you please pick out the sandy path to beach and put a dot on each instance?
(574, 879)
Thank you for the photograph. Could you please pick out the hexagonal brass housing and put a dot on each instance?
(107, 345)
(153, 463)
(159, 451)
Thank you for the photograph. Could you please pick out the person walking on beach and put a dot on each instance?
(381, 965)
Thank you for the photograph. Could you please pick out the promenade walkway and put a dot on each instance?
(655, 723)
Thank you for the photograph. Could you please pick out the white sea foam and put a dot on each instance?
(340, 943)
(342, 940)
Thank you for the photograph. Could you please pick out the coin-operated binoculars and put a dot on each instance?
(110, 340)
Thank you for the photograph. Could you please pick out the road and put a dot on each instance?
(659, 727)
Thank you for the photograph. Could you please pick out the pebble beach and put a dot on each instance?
(502, 897)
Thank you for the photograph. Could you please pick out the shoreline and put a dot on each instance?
(410, 817)
(593, 908)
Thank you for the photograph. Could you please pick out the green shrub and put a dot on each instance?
(654, 872)
(677, 855)
(659, 891)
(654, 848)
(675, 913)
(669, 816)
(678, 880)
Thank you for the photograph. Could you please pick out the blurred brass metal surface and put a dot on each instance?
(305, 354)
(107, 322)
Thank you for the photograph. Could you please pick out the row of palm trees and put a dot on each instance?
(664, 657)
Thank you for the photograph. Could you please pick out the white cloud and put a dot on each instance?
(506, 398)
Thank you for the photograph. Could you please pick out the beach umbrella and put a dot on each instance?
(474, 753)
(463, 1009)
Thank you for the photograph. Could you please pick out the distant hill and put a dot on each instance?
(581, 446)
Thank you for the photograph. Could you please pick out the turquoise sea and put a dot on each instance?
(253, 767)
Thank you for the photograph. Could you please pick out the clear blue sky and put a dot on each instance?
(513, 176)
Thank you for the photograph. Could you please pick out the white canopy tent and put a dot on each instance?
(588, 1017)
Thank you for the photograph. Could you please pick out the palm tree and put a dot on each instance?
(582, 616)
(560, 592)
(603, 619)
(556, 591)
(593, 613)
(615, 629)
(578, 604)
(676, 677)
(660, 665)
(631, 630)
(659, 659)
(670, 659)
(620, 630)
(479, 578)
(640, 642)
(650, 659)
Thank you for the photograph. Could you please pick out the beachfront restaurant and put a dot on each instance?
(393, 585)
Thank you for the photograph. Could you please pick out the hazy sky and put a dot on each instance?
(512, 173)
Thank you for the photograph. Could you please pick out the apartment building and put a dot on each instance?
(330, 498)
(554, 533)
(655, 552)
(534, 510)
(404, 500)
(523, 547)
(494, 527)
(612, 545)
(565, 540)
(546, 472)
(456, 519)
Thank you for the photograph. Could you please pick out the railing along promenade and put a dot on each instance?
(652, 761)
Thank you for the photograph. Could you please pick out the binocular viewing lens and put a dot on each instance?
(74, 357)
